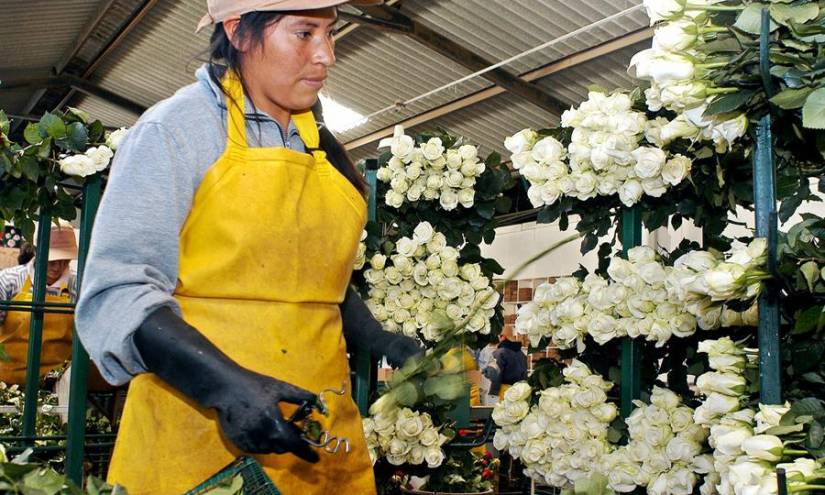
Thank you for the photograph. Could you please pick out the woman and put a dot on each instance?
(16, 285)
(218, 273)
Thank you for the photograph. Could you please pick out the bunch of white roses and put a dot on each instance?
(404, 436)
(361, 253)
(633, 302)
(563, 438)
(703, 280)
(678, 72)
(421, 289)
(95, 159)
(429, 171)
(606, 155)
(665, 452)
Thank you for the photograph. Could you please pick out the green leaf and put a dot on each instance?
(32, 134)
(486, 209)
(503, 204)
(750, 20)
(813, 111)
(45, 480)
(815, 437)
(799, 13)
(810, 270)
(30, 167)
(79, 114)
(791, 98)
(809, 406)
(813, 377)
(730, 102)
(4, 123)
(233, 486)
(785, 430)
(808, 320)
(51, 125)
(77, 137)
(96, 131)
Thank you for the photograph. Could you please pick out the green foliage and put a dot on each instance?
(463, 472)
(30, 176)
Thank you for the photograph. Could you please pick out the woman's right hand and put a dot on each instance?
(250, 417)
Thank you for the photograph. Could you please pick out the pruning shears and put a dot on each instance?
(311, 431)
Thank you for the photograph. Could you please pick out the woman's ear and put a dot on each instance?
(230, 27)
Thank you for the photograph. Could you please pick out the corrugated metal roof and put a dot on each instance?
(376, 69)
(36, 33)
(499, 30)
(489, 122)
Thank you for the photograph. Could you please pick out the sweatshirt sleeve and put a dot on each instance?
(132, 265)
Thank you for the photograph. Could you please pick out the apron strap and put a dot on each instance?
(308, 130)
(236, 118)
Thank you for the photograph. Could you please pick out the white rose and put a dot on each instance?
(675, 36)
(522, 160)
(518, 392)
(116, 137)
(764, 447)
(394, 198)
(676, 169)
(378, 261)
(521, 141)
(681, 418)
(402, 146)
(468, 153)
(727, 132)
(78, 165)
(453, 159)
(630, 192)
(547, 150)
(384, 174)
(398, 447)
(680, 449)
(433, 149)
(101, 156)
(654, 187)
(466, 197)
(406, 247)
(724, 383)
(434, 457)
(448, 200)
(453, 178)
(423, 232)
(409, 425)
(649, 161)
(437, 244)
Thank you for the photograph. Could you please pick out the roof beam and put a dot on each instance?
(570, 61)
(56, 95)
(77, 84)
(392, 19)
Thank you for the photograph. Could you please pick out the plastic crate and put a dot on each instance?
(255, 481)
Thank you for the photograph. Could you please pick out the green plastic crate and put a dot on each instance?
(255, 481)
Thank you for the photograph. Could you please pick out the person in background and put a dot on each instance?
(510, 365)
(16, 285)
(26, 253)
(485, 359)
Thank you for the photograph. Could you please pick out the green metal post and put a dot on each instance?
(764, 194)
(362, 362)
(41, 263)
(80, 359)
(631, 349)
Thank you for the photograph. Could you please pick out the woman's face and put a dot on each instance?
(55, 270)
(285, 73)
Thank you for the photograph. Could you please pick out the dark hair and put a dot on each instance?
(223, 55)
(26, 253)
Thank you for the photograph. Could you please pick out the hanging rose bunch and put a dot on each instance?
(562, 438)
(606, 155)
(430, 171)
(665, 451)
(704, 280)
(421, 288)
(404, 436)
(633, 302)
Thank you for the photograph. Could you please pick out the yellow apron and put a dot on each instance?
(14, 336)
(266, 255)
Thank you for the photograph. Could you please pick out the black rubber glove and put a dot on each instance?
(363, 331)
(246, 401)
